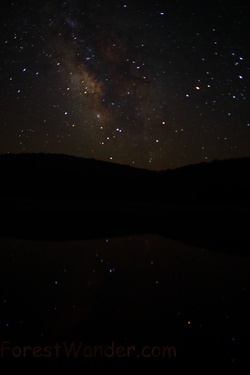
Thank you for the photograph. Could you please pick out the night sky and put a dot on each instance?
(153, 84)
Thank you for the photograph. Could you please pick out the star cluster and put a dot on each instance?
(151, 84)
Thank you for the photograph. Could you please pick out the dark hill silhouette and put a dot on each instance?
(65, 176)
(48, 175)
(58, 196)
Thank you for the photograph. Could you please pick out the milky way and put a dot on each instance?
(151, 84)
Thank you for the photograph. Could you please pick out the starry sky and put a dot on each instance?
(153, 84)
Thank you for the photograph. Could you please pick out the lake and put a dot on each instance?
(120, 304)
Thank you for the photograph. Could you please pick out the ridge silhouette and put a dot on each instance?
(57, 196)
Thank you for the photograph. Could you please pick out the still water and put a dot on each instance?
(122, 304)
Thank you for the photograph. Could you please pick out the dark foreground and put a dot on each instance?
(124, 292)
(150, 273)
(224, 229)
(123, 304)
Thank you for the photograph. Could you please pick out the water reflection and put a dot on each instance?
(138, 291)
